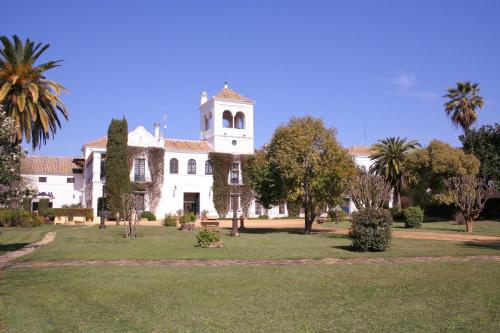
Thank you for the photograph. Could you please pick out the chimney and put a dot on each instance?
(204, 98)
(157, 131)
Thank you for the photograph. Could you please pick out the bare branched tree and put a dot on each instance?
(369, 190)
(469, 195)
(131, 214)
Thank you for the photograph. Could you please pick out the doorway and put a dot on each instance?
(192, 203)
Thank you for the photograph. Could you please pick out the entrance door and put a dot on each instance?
(192, 203)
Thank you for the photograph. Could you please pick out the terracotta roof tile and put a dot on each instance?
(187, 145)
(359, 150)
(97, 143)
(48, 165)
(231, 95)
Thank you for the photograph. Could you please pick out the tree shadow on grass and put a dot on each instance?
(495, 245)
(12, 247)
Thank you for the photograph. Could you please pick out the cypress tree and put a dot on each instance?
(116, 166)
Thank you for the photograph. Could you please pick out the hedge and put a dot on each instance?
(88, 213)
(19, 218)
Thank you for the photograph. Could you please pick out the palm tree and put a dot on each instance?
(462, 104)
(388, 156)
(27, 96)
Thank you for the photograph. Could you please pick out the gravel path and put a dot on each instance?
(249, 262)
(6, 258)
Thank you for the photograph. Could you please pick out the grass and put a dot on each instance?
(491, 228)
(12, 239)
(453, 297)
(168, 243)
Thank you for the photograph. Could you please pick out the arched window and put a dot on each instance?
(239, 120)
(191, 167)
(174, 166)
(227, 119)
(209, 167)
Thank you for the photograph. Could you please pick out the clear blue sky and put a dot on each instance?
(384, 64)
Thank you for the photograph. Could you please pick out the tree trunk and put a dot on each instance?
(309, 216)
(469, 226)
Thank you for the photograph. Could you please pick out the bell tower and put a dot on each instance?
(226, 122)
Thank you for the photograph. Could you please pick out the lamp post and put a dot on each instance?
(234, 180)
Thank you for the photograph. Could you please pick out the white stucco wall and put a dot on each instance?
(64, 193)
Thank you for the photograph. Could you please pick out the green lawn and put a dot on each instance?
(491, 228)
(12, 239)
(168, 243)
(452, 297)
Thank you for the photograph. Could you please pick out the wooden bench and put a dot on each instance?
(79, 220)
(320, 219)
(210, 223)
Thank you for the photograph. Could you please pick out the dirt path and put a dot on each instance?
(248, 262)
(6, 258)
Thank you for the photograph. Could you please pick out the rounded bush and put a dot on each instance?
(19, 218)
(148, 215)
(170, 220)
(413, 217)
(207, 238)
(187, 218)
(397, 214)
(371, 230)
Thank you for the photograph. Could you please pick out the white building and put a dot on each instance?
(59, 179)
(226, 126)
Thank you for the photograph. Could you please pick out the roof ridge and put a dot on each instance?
(190, 140)
(223, 95)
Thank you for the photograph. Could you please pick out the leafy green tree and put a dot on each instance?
(484, 143)
(116, 165)
(462, 103)
(264, 181)
(428, 168)
(310, 164)
(10, 162)
(29, 98)
(388, 156)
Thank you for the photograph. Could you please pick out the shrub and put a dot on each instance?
(71, 212)
(43, 207)
(337, 215)
(371, 230)
(19, 218)
(170, 220)
(148, 215)
(187, 218)
(207, 237)
(397, 214)
(413, 217)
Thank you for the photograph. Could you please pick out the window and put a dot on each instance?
(281, 208)
(191, 167)
(103, 167)
(70, 180)
(258, 208)
(237, 202)
(42, 179)
(235, 173)
(239, 120)
(139, 202)
(208, 121)
(139, 169)
(174, 166)
(209, 167)
(227, 119)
